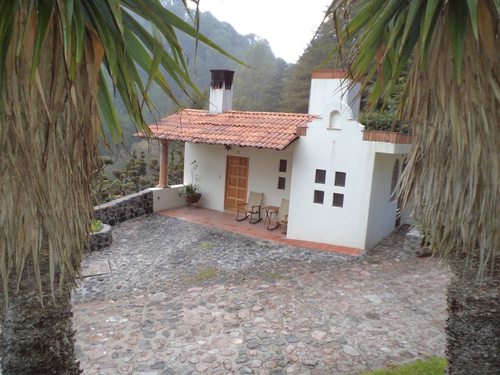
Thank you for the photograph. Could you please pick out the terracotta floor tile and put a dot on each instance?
(226, 221)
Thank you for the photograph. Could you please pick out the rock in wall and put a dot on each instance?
(125, 208)
(102, 239)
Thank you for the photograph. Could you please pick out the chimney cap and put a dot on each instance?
(222, 78)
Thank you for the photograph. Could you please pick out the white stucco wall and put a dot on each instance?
(390, 148)
(339, 92)
(382, 214)
(211, 172)
(367, 214)
(339, 150)
(166, 198)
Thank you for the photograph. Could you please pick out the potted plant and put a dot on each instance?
(191, 193)
(100, 236)
(96, 225)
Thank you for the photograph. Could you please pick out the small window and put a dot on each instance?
(334, 122)
(320, 176)
(319, 196)
(282, 165)
(339, 178)
(281, 183)
(338, 200)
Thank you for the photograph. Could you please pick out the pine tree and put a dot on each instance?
(259, 86)
(318, 55)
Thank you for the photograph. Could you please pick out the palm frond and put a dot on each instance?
(54, 103)
(450, 99)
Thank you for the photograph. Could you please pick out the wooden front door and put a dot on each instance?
(236, 182)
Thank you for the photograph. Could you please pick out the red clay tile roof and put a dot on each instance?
(274, 130)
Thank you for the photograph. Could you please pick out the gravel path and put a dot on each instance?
(173, 297)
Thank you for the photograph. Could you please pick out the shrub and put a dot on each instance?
(96, 225)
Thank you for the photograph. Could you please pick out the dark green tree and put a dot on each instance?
(137, 175)
(378, 114)
(176, 163)
(258, 87)
(134, 176)
(319, 54)
(101, 184)
(154, 171)
(274, 86)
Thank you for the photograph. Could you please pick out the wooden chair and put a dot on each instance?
(251, 208)
(281, 216)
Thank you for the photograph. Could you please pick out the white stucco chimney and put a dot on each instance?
(221, 93)
(333, 85)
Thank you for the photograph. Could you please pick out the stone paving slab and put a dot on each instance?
(95, 267)
(186, 299)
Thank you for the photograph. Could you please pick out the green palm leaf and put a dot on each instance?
(448, 52)
(82, 45)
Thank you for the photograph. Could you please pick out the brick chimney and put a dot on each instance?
(221, 93)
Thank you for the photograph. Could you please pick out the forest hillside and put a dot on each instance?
(266, 84)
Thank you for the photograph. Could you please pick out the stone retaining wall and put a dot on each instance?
(125, 208)
(102, 239)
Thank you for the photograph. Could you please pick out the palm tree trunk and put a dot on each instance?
(473, 326)
(452, 181)
(38, 340)
(48, 151)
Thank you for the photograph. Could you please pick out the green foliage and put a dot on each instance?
(175, 163)
(318, 55)
(384, 120)
(198, 100)
(102, 185)
(206, 273)
(259, 86)
(122, 175)
(451, 182)
(206, 245)
(378, 120)
(70, 60)
(199, 57)
(154, 167)
(273, 87)
(272, 276)
(386, 36)
(96, 225)
(382, 114)
(130, 44)
(322, 53)
(431, 366)
(188, 190)
(134, 177)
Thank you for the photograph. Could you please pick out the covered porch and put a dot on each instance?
(226, 221)
(228, 155)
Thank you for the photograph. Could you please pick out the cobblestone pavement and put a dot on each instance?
(186, 299)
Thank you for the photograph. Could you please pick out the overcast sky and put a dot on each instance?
(288, 25)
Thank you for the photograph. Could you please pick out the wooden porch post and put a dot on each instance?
(163, 179)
